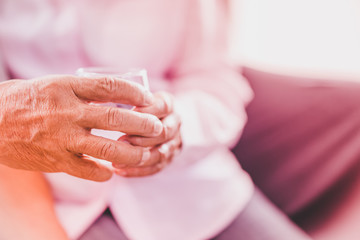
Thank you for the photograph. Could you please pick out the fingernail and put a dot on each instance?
(158, 127)
(149, 98)
(164, 149)
(145, 157)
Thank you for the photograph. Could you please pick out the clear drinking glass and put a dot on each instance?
(137, 75)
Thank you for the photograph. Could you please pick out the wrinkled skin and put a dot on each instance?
(45, 125)
(164, 146)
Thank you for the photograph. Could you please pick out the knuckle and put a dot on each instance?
(74, 143)
(81, 114)
(73, 82)
(113, 117)
(147, 124)
(107, 150)
(107, 84)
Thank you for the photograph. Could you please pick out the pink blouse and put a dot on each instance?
(181, 44)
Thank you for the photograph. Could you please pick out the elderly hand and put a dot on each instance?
(162, 147)
(45, 124)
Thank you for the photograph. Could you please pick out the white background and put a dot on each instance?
(301, 37)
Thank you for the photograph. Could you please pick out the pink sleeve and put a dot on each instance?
(210, 95)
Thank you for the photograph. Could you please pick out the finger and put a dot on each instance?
(165, 152)
(140, 172)
(163, 155)
(110, 150)
(84, 168)
(155, 157)
(156, 164)
(160, 154)
(161, 107)
(110, 89)
(161, 158)
(171, 127)
(117, 119)
(171, 148)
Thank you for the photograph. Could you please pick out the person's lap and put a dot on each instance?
(258, 221)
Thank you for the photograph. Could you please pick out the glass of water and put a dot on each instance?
(137, 75)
